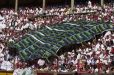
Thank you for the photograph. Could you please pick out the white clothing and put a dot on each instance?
(107, 34)
(6, 65)
(89, 4)
(62, 57)
(18, 72)
(1, 56)
(28, 71)
(97, 46)
(88, 61)
(78, 56)
(96, 70)
(41, 62)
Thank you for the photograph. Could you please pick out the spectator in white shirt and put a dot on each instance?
(7, 65)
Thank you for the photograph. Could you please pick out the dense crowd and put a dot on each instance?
(96, 58)
(13, 24)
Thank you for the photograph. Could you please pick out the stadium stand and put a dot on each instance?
(57, 40)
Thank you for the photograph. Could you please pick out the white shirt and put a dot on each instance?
(18, 71)
(6, 65)
(88, 61)
(28, 71)
(97, 46)
(41, 62)
(1, 56)
(89, 4)
(96, 70)
(78, 56)
(107, 34)
(62, 57)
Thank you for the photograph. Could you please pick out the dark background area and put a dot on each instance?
(11, 3)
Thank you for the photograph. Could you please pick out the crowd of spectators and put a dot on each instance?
(97, 58)
(14, 25)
